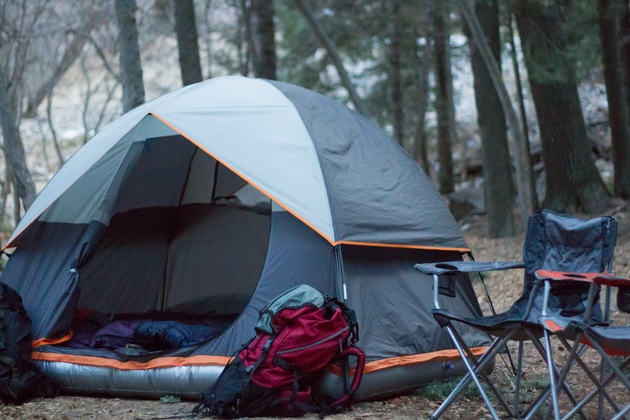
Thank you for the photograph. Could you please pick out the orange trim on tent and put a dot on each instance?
(306, 222)
(51, 341)
(414, 359)
(384, 245)
(160, 362)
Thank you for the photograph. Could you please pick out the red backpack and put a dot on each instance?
(299, 333)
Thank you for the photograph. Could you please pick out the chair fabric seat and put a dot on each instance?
(499, 325)
(614, 339)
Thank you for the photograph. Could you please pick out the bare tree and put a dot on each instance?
(109, 86)
(71, 53)
(130, 64)
(44, 42)
(105, 60)
(187, 45)
(53, 132)
(5, 190)
(18, 21)
(14, 148)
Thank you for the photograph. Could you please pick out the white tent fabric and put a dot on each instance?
(226, 117)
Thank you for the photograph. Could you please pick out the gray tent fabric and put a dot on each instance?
(214, 199)
(396, 304)
(41, 276)
(296, 255)
(364, 211)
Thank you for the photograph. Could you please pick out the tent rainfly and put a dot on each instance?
(144, 262)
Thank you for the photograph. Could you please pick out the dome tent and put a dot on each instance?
(214, 199)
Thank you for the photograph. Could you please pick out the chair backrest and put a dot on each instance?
(623, 299)
(560, 242)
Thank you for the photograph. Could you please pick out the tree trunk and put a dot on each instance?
(130, 65)
(497, 170)
(327, 43)
(53, 132)
(245, 40)
(14, 148)
(625, 50)
(520, 153)
(395, 81)
(573, 182)
(442, 101)
(419, 147)
(423, 28)
(617, 106)
(70, 56)
(187, 46)
(521, 102)
(264, 38)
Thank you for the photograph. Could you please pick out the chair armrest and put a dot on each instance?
(564, 276)
(602, 279)
(593, 279)
(454, 267)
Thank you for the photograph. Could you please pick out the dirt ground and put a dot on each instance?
(504, 289)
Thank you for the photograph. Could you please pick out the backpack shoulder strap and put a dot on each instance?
(348, 313)
(345, 401)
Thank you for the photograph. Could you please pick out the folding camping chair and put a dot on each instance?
(605, 339)
(553, 242)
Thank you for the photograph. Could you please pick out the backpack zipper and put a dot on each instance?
(323, 340)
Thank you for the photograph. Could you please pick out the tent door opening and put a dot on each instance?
(186, 237)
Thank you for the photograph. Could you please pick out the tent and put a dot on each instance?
(208, 202)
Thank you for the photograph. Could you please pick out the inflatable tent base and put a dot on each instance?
(188, 381)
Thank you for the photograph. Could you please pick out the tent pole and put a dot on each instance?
(342, 292)
(166, 282)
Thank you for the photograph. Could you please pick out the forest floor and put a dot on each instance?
(420, 404)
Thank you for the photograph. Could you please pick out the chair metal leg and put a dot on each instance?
(558, 379)
(519, 376)
(622, 413)
(600, 384)
(552, 375)
(479, 368)
(617, 373)
(470, 376)
(600, 398)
